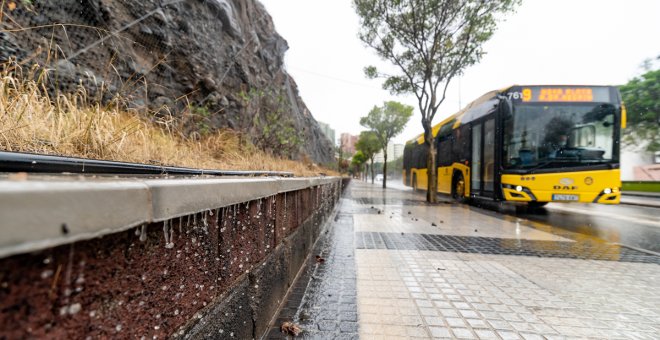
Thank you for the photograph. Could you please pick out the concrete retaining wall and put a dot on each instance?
(202, 270)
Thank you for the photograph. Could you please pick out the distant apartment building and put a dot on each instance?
(394, 151)
(347, 143)
(328, 132)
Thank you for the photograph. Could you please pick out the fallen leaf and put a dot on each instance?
(290, 328)
(11, 5)
(433, 224)
(319, 259)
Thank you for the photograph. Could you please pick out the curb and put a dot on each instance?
(45, 212)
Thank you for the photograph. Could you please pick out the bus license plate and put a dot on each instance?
(560, 197)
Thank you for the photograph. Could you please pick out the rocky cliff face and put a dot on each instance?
(217, 63)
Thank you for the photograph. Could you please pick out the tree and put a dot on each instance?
(358, 160)
(369, 145)
(642, 99)
(386, 122)
(429, 42)
(340, 153)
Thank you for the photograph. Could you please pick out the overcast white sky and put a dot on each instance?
(600, 42)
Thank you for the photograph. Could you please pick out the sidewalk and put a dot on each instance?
(396, 267)
(647, 199)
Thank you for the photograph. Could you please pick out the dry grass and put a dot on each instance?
(33, 121)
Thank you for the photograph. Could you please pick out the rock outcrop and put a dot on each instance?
(218, 60)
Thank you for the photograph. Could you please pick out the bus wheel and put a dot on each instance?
(459, 188)
(536, 205)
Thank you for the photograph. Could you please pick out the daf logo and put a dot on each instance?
(566, 184)
(566, 181)
(565, 187)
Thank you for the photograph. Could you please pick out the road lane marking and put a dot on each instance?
(608, 215)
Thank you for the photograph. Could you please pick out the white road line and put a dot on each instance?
(608, 215)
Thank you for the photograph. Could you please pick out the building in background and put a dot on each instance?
(328, 132)
(638, 164)
(394, 151)
(347, 143)
(398, 151)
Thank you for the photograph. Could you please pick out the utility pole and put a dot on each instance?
(460, 105)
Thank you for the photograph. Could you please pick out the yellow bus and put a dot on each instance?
(534, 144)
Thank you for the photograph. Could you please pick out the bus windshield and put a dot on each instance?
(559, 135)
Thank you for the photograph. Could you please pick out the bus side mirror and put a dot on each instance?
(506, 104)
(624, 116)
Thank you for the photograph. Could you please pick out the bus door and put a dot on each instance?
(482, 179)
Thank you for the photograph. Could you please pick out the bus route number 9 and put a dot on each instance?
(525, 95)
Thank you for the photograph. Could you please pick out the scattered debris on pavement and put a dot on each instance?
(290, 328)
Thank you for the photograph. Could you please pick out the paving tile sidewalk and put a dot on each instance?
(398, 268)
(323, 301)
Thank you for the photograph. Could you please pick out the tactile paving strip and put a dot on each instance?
(499, 246)
(395, 201)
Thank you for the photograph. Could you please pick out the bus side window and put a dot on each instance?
(456, 146)
(444, 151)
(461, 144)
(420, 152)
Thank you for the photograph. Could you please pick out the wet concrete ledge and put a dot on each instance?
(190, 258)
(42, 213)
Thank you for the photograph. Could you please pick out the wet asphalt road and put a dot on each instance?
(629, 225)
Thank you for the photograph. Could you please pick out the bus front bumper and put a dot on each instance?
(552, 196)
(585, 187)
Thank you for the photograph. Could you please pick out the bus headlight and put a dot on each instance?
(519, 188)
(607, 191)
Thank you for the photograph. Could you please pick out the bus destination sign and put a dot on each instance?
(560, 95)
(549, 94)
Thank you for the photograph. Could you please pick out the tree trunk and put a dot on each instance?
(432, 173)
(385, 168)
(372, 171)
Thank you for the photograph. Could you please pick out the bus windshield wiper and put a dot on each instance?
(544, 164)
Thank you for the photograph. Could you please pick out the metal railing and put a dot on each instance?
(34, 163)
